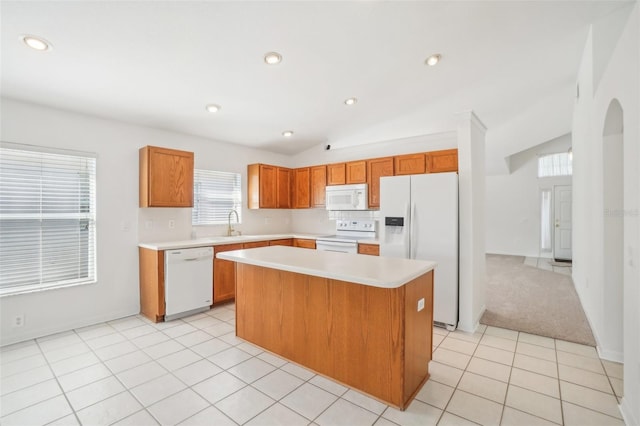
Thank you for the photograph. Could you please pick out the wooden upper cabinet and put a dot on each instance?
(336, 174)
(377, 168)
(411, 164)
(442, 161)
(302, 188)
(283, 188)
(318, 186)
(166, 177)
(268, 187)
(356, 171)
(262, 186)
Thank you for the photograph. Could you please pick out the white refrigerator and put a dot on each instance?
(419, 220)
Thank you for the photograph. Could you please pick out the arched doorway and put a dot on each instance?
(613, 224)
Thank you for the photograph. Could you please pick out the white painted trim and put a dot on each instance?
(66, 326)
(627, 412)
(614, 356)
(474, 326)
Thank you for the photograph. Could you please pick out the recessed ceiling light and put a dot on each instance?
(433, 59)
(350, 101)
(287, 133)
(213, 108)
(272, 58)
(36, 43)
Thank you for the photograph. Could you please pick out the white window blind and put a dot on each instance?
(215, 194)
(559, 164)
(47, 218)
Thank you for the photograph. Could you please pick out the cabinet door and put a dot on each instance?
(377, 168)
(442, 161)
(336, 174)
(370, 249)
(166, 177)
(255, 244)
(283, 188)
(409, 164)
(282, 242)
(356, 171)
(302, 186)
(224, 275)
(268, 186)
(152, 283)
(304, 243)
(318, 186)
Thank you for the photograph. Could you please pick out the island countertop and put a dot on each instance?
(383, 272)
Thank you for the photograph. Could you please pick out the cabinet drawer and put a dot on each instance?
(370, 249)
(304, 243)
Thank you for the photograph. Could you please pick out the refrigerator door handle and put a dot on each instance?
(407, 235)
(414, 242)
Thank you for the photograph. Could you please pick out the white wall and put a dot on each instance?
(116, 293)
(471, 181)
(619, 81)
(513, 202)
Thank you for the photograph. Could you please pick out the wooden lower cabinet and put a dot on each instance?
(152, 284)
(255, 244)
(304, 243)
(282, 242)
(370, 338)
(370, 249)
(224, 274)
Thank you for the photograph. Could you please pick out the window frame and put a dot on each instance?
(70, 207)
(203, 192)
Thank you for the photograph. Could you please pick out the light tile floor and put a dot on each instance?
(196, 372)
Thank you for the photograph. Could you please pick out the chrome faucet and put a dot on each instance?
(230, 229)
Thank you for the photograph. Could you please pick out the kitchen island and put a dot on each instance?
(364, 321)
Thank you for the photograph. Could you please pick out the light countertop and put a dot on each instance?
(384, 272)
(220, 240)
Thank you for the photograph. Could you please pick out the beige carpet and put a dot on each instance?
(523, 298)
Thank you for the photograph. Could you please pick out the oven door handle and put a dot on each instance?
(332, 245)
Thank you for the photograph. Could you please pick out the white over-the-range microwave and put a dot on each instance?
(347, 197)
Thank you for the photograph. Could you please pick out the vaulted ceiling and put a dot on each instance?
(159, 63)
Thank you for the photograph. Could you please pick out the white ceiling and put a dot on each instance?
(158, 63)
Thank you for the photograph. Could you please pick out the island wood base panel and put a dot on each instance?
(369, 338)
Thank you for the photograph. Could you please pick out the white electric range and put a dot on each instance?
(348, 234)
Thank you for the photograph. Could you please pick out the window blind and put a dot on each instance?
(47, 218)
(559, 164)
(215, 194)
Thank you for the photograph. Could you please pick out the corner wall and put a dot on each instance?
(619, 81)
(116, 294)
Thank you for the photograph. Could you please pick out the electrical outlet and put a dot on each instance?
(420, 304)
(148, 224)
(17, 320)
(172, 223)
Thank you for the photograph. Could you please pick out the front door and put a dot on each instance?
(562, 220)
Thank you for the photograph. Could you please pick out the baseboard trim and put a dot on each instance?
(614, 356)
(627, 413)
(473, 327)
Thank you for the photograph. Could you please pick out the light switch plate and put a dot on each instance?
(420, 304)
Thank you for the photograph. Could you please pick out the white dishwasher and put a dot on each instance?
(188, 281)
